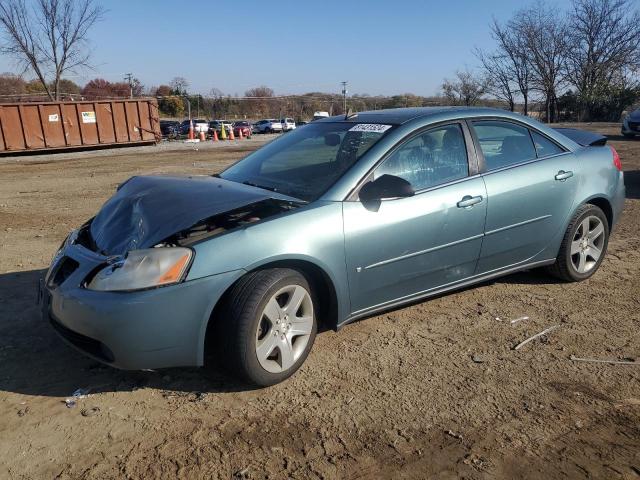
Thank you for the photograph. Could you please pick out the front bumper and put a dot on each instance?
(155, 328)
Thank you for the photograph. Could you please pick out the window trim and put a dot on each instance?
(480, 154)
(562, 149)
(473, 164)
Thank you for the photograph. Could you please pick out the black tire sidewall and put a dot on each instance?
(250, 365)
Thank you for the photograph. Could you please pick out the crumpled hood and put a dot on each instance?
(635, 116)
(147, 210)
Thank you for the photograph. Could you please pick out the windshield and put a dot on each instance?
(305, 162)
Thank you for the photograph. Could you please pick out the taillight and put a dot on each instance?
(616, 159)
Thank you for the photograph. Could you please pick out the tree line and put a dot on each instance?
(580, 64)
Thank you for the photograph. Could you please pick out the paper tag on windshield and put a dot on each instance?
(370, 127)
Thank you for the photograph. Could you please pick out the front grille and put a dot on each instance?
(634, 125)
(86, 344)
(63, 270)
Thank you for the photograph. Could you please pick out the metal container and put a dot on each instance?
(62, 125)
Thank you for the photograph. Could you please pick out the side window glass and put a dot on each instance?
(544, 146)
(429, 159)
(504, 143)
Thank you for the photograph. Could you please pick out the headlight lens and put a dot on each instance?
(140, 269)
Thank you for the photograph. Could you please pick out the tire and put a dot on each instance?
(582, 263)
(628, 135)
(259, 318)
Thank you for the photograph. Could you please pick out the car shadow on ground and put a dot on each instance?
(632, 184)
(621, 138)
(35, 361)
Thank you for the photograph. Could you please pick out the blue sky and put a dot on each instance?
(381, 47)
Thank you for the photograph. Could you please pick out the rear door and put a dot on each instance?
(531, 189)
(408, 246)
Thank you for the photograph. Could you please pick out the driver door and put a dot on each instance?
(408, 246)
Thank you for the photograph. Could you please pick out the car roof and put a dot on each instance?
(398, 116)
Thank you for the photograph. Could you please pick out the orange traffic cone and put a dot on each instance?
(215, 135)
(240, 134)
(202, 138)
(231, 135)
(190, 130)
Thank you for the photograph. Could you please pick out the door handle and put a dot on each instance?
(469, 201)
(562, 175)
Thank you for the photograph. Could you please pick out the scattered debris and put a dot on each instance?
(350, 400)
(537, 335)
(79, 394)
(514, 321)
(242, 473)
(519, 319)
(477, 359)
(597, 360)
(23, 411)
(90, 412)
(453, 434)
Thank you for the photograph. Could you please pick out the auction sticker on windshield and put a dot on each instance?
(370, 127)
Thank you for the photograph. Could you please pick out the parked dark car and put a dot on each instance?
(631, 124)
(169, 128)
(244, 127)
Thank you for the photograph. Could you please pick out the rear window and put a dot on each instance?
(504, 143)
(544, 146)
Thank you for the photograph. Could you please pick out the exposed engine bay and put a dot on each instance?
(223, 222)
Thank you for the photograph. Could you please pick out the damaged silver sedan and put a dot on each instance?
(335, 221)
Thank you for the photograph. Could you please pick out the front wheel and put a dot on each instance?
(269, 325)
(584, 245)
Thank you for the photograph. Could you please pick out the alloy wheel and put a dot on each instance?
(587, 244)
(284, 329)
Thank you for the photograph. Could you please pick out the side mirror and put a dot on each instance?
(385, 187)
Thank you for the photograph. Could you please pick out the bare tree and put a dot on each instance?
(545, 38)
(605, 46)
(511, 48)
(179, 85)
(261, 104)
(260, 91)
(498, 77)
(48, 38)
(465, 89)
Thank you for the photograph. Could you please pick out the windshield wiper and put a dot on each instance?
(251, 184)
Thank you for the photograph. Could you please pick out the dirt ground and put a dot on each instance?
(433, 390)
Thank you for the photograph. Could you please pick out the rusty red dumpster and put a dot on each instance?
(62, 125)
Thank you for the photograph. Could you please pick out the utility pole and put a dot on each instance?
(344, 97)
(129, 78)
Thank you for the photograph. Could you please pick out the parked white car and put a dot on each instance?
(270, 125)
(288, 124)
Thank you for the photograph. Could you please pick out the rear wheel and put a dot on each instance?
(584, 245)
(269, 326)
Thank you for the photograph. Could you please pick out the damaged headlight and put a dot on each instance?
(140, 269)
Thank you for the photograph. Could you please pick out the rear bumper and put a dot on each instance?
(617, 202)
(630, 128)
(162, 327)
